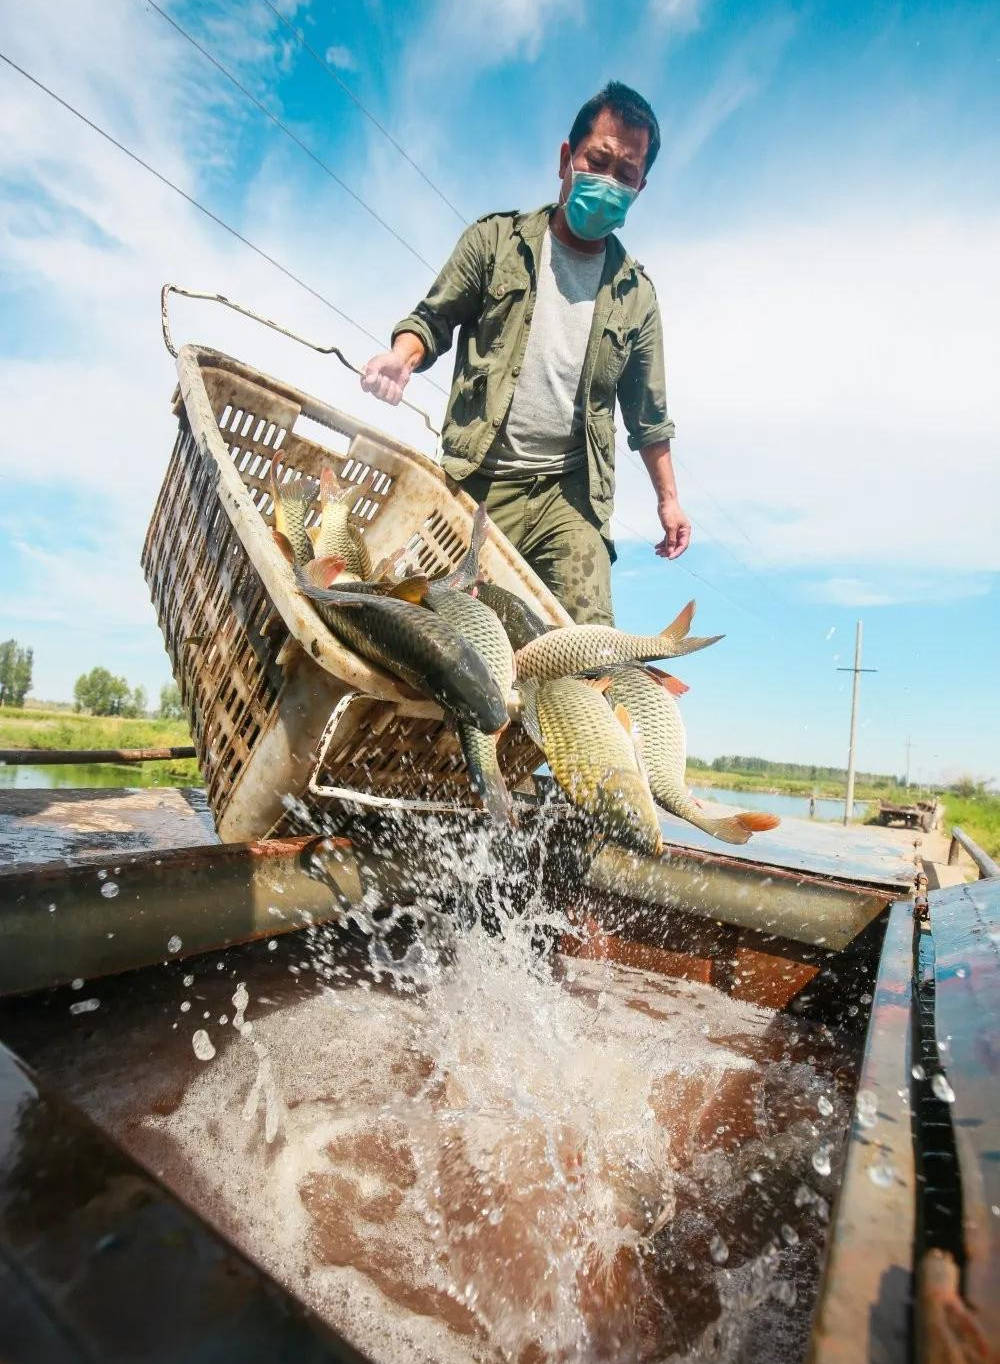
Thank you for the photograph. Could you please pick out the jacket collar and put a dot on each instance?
(530, 227)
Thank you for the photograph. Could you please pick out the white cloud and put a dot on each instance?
(341, 57)
(833, 384)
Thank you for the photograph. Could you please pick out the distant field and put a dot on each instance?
(793, 786)
(34, 728)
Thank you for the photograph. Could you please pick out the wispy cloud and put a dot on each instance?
(898, 589)
(681, 16)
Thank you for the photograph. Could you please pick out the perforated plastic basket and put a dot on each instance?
(277, 706)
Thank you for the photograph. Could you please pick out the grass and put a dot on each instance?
(32, 728)
(978, 816)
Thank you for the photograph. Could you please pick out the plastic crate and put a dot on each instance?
(277, 706)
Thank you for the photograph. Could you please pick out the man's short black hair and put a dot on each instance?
(628, 105)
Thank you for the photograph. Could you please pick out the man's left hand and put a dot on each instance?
(677, 527)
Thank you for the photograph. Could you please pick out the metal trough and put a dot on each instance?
(835, 952)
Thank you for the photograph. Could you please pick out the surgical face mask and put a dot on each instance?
(596, 204)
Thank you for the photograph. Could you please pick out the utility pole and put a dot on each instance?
(857, 670)
(906, 781)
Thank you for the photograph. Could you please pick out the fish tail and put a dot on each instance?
(738, 828)
(331, 490)
(467, 570)
(691, 645)
(485, 776)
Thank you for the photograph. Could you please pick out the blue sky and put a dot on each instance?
(821, 228)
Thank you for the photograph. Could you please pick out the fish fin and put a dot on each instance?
(411, 589)
(284, 544)
(467, 570)
(738, 828)
(528, 712)
(324, 572)
(600, 684)
(667, 681)
(623, 718)
(681, 623)
(692, 644)
(313, 533)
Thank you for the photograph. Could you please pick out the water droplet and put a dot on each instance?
(174, 944)
(102, 875)
(85, 1006)
(189, 980)
(804, 1195)
(756, 1177)
(824, 1105)
(185, 1005)
(109, 890)
(202, 1044)
(272, 945)
(223, 1020)
(961, 972)
(495, 1217)
(918, 1072)
(942, 1089)
(718, 1250)
(866, 1107)
(52, 909)
(821, 1160)
(789, 1235)
(882, 1175)
(220, 965)
(77, 984)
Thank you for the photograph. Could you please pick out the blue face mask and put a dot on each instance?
(596, 204)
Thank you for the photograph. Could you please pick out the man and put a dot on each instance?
(556, 321)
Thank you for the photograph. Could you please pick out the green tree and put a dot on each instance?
(171, 705)
(15, 672)
(137, 702)
(102, 693)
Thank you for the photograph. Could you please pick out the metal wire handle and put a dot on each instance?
(168, 339)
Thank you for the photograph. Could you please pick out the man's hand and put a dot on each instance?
(386, 375)
(677, 527)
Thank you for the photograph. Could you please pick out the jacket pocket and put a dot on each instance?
(468, 400)
(612, 357)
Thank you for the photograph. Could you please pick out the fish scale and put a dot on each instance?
(418, 646)
(662, 744)
(573, 649)
(592, 757)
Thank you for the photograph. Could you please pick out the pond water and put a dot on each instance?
(778, 804)
(60, 776)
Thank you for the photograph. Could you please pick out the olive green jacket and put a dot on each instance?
(487, 289)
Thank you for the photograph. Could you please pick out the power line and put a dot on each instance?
(318, 160)
(332, 75)
(213, 217)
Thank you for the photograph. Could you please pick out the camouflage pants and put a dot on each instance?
(547, 519)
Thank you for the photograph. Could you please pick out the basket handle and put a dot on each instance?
(168, 339)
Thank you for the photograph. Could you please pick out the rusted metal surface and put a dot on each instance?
(98, 917)
(960, 839)
(965, 921)
(800, 906)
(864, 1311)
(98, 1261)
(42, 756)
(48, 824)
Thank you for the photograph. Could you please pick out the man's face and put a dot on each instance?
(612, 148)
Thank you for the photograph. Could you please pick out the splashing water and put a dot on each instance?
(461, 1133)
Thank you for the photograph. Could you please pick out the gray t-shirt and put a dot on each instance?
(544, 433)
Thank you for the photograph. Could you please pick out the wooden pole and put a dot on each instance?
(43, 756)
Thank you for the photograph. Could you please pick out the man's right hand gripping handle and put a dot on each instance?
(386, 375)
